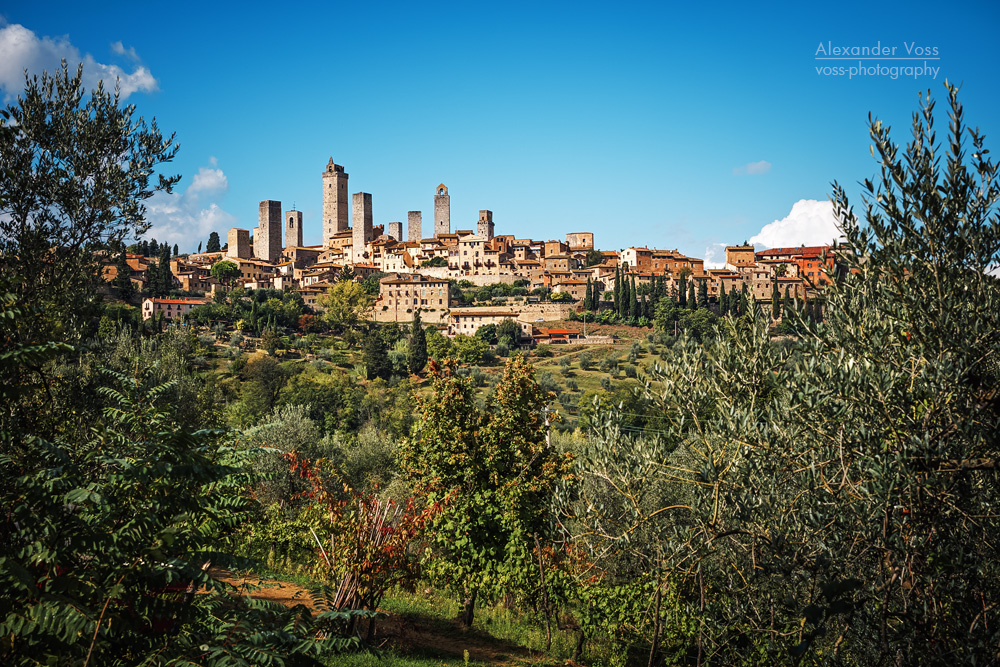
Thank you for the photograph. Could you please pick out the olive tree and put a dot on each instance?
(834, 501)
(75, 171)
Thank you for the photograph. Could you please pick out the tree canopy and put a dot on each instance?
(75, 171)
(225, 271)
(832, 500)
(345, 304)
(491, 473)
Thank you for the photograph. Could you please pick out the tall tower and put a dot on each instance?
(335, 201)
(413, 221)
(293, 228)
(267, 235)
(485, 225)
(442, 211)
(396, 231)
(362, 225)
(239, 244)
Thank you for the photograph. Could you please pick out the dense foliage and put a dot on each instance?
(833, 500)
(490, 471)
(75, 171)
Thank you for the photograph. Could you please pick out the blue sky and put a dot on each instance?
(672, 126)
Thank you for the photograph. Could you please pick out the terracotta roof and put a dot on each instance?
(801, 250)
(197, 302)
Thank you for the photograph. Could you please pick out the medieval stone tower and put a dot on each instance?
(336, 214)
(442, 211)
(239, 244)
(396, 230)
(484, 227)
(293, 228)
(413, 222)
(362, 225)
(267, 235)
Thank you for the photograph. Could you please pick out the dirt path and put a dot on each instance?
(414, 635)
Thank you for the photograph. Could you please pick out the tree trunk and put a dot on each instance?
(578, 651)
(468, 608)
(655, 646)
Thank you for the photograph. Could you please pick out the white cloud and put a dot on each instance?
(208, 180)
(120, 49)
(753, 168)
(185, 218)
(715, 256)
(810, 222)
(21, 49)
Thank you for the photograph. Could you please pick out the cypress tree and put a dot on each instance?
(621, 298)
(164, 276)
(154, 248)
(682, 291)
(703, 294)
(588, 299)
(376, 357)
(786, 304)
(723, 298)
(692, 300)
(627, 297)
(618, 288)
(214, 243)
(176, 250)
(636, 312)
(416, 357)
(775, 301)
(123, 281)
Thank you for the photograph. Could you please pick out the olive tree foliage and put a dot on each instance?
(835, 500)
(75, 169)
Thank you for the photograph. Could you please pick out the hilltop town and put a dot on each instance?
(556, 277)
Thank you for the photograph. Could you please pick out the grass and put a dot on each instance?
(394, 659)
(510, 635)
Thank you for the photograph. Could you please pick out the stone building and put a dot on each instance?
(467, 321)
(413, 223)
(239, 244)
(740, 257)
(442, 211)
(484, 227)
(361, 227)
(293, 229)
(171, 308)
(267, 235)
(336, 212)
(396, 231)
(580, 240)
(401, 295)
